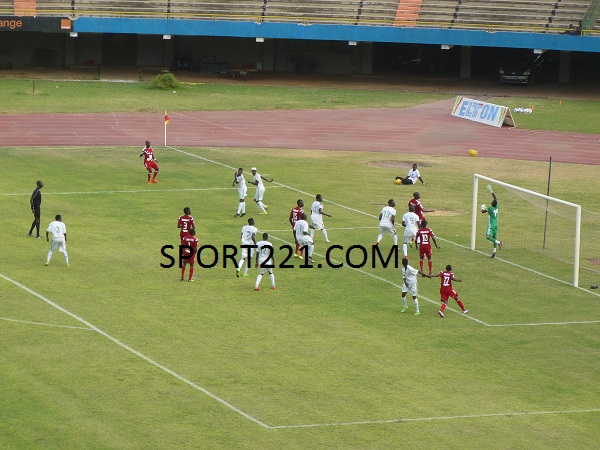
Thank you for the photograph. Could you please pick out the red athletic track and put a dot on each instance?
(425, 129)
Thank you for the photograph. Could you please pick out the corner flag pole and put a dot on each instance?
(166, 123)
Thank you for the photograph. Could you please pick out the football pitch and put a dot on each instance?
(115, 351)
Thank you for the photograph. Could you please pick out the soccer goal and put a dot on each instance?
(538, 232)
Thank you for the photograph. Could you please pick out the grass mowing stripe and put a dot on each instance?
(135, 352)
(423, 419)
(43, 324)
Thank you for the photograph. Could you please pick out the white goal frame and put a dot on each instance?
(476, 213)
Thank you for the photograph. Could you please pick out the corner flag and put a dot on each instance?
(166, 123)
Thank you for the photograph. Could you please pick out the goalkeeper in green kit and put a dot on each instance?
(492, 229)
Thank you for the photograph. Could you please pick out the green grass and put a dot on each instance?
(328, 347)
(554, 113)
(43, 96)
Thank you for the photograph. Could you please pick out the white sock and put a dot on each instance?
(379, 238)
(404, 249)
(243, 207)
(311, 247)
(416, 304)
(241, 263)
(395, 239)
(258, 278)
(272, 277)
(261, 206)
(325, 234)
(312, 232)
(49, 256)
(404, 301)
(240, 204)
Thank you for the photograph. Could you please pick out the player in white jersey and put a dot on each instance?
(410, 222)
(248, 238)
(409, 276)
(412, 177)
(59, 238)
(316, 217)
(260, 190)
(238, 178)
(387, 222)
(264, 259)
(303, 236)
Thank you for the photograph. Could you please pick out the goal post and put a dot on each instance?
(540, 232)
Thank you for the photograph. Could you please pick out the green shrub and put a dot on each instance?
(164, 81)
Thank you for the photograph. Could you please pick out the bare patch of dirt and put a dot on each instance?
(594, 261)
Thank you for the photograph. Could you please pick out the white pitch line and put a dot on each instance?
(132, 191)
(371, 215)
(328, 228)
(424, 419)
(43, 324)
(135, 352)
(543, 323)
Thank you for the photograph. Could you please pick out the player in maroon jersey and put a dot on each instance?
(423, 242)
(295, 214)
(446, 290)
(192, 242)
(418, 206)
(186, 223)
(150, 162)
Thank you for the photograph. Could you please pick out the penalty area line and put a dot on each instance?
(135, 352)
(425, 419)
(133, 191)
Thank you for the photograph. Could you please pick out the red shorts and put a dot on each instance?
(447, 292)
(150, 165)
(425, 251)
(189, 261)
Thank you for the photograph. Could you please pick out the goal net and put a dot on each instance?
(538, 232)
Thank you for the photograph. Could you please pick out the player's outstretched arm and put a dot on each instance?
(435, 242)
(421, 180)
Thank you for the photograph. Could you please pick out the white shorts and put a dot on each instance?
(262, 270)
(389, 229)
(242, 192)
(259, 194)
(412, 288)
(245, 252)
(408, 238)
(318, 224)
(58, 244)
(305, 240)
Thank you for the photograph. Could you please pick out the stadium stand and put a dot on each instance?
(312, 11)
(568, 12)
(218, 9)
(520, 15)
(554, 16)
(382, 12)
(438, 13)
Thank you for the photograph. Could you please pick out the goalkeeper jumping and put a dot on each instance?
(492, 229)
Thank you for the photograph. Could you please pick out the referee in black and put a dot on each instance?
(36, 203)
